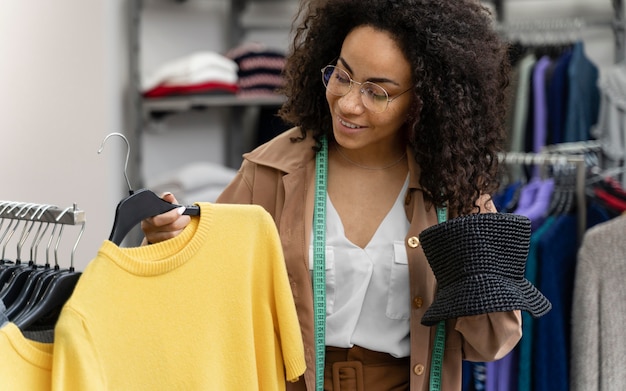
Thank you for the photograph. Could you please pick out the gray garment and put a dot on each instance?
(598, 349)
(3, 317)
(44, 335)
(612, 117)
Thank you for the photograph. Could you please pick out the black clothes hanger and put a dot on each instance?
(36, 281)
(42, 281)
(10, 266)
(46, 310)
(18, 292)
(13, 278)
(4, 263)
(138, 205)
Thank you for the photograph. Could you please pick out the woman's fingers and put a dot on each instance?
(166, 225)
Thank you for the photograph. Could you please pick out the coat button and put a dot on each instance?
(418, 369)
(417, 302)
(413, 242)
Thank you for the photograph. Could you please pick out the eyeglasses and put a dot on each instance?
(374, 97)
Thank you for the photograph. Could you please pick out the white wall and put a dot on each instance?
(63, 76)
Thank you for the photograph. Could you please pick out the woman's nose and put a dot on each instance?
(352, 101)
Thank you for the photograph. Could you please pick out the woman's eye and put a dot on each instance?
(375, 92)
(342, 79)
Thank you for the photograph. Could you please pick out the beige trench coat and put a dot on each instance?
(280, 176)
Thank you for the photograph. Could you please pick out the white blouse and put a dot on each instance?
(367, 289)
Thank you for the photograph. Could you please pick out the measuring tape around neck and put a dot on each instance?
(319, 263)
(436, 362)
(319, 279)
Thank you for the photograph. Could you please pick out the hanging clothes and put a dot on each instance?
(521, 107)
(557, 93)
(583, 96)
(210, 309)
(525, 346)
(599, 310)
(612, 115)
(540, 113)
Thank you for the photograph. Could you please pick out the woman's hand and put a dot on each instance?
(164, 226)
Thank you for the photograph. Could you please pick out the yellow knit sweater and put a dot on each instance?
(210, 309)
(26, 363)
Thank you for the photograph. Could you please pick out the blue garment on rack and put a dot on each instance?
(474, 376)
(557, 99)
(525, 346)
(583, 103)
(505, 197)
(557, 261)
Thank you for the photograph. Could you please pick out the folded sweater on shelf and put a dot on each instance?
(195, 68)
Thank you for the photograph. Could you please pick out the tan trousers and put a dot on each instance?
(360, 369)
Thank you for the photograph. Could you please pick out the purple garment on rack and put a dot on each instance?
(534, 201)
(540, 112)
(501, 374)
(537, 205)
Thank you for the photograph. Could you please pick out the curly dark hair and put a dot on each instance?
(460, 68)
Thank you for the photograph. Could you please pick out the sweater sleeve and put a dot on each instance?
(76, 364)
(286, 324)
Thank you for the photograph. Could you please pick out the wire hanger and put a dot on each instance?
(138, 205)
(46, 311)
(18, 288)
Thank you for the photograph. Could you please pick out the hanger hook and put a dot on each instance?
(80, 234)
(56, 247)
(39, 235)
(130, 188)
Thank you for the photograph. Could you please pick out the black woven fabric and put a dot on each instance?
(479, 262)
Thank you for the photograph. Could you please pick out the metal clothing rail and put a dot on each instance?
(553, 159)
(41, 213)
(15, 210)
(617, 24)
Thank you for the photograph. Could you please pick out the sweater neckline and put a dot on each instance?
(36, 353)
(163, 257)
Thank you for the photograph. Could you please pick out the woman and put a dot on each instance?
(410, 98)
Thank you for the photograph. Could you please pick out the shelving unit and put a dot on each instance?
(233, 109)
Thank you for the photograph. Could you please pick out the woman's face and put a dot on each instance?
(372, 55)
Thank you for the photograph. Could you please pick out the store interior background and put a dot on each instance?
(64, 86)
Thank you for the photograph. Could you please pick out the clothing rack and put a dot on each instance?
(548, 32)
(15, 210)
(536, 28)
(552, 158)
(42, 213)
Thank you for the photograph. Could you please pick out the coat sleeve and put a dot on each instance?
(491, 336)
